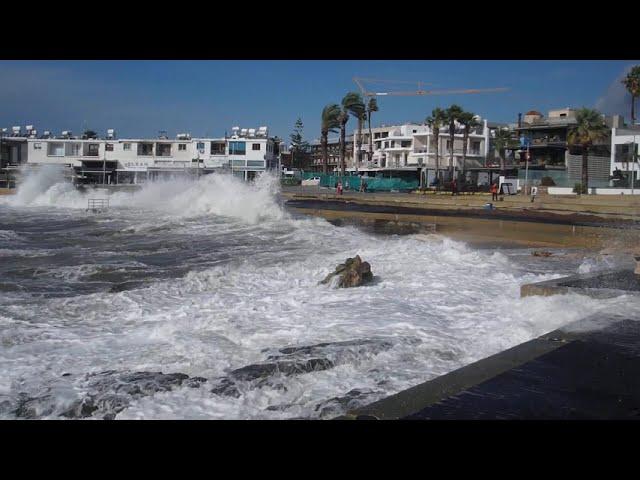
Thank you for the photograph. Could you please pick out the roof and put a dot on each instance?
(533, 112)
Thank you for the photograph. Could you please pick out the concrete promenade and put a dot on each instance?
(571, 208)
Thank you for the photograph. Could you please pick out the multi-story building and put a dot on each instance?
(550, 154)
(13, 152)
(624, 164)
(112, 161)
(333, 153)
(412, 148)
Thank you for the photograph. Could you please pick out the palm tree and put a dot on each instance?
(329, 123)
(372, 106)
(469, 120)
(351, 104)
(435, 122)
(632, 82)
(589, 129)
(453, 114)
(502, 140)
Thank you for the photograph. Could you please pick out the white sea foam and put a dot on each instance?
(458, 304)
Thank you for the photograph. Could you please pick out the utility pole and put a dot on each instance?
(104, 165)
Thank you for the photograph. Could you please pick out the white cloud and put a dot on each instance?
(616, 100)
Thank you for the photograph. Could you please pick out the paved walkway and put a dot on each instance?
(612, 207)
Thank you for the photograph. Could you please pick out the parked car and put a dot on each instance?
(314, 181)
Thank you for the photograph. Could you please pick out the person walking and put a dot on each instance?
(339, 188)
(454, 187)
(494, 192)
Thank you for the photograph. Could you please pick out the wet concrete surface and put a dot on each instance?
(579, 372)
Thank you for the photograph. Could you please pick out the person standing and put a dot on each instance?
(454, 187)
(534, 192)
(339, 188)
(494, 192)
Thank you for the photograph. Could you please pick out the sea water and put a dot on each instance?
(210, 276)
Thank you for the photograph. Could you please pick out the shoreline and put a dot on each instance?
(561, 222)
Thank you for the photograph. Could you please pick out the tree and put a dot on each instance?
(453, 114)
(436, 121)
(351, 104)
(589, 128)
(298, 144)
(501, 141)
(632, 82)
(468, 120)
(372, 106)
(329, 123)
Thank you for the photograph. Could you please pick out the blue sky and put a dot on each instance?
(139, 98)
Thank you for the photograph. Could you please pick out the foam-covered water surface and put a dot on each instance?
(215, 285)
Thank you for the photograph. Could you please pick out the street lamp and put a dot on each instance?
(526, 142)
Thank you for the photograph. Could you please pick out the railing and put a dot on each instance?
(97, 204)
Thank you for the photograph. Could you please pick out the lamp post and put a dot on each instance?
(635, 161)
(525, 142)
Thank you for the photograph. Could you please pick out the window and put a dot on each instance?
(37, 146)
(108, 147)
(182, 147)
(405, 143)
(237, 148)
(238, 163)
(200, 147)
(163, 149)
(256, 146)
(55, 149)
(126, 146)
(72, 149)
(145, 149)
(91, 149)
(255, 163)
(218, 148)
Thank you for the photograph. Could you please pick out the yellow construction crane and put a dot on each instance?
(365, 93)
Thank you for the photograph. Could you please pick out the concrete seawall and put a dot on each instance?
(589, 369)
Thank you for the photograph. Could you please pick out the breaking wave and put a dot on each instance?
(214, 194)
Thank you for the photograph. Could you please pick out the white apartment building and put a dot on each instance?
(622, 142)
(113, 161)
(412, 146)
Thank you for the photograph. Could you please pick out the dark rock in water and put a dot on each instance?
(299, 360)
(33, 407)
(289, 367)
(541, 253)
(338, 405)
(265, 374)
(226, 387)
(124, 286)
(111, 392)
(361, 346)
(352, 273)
